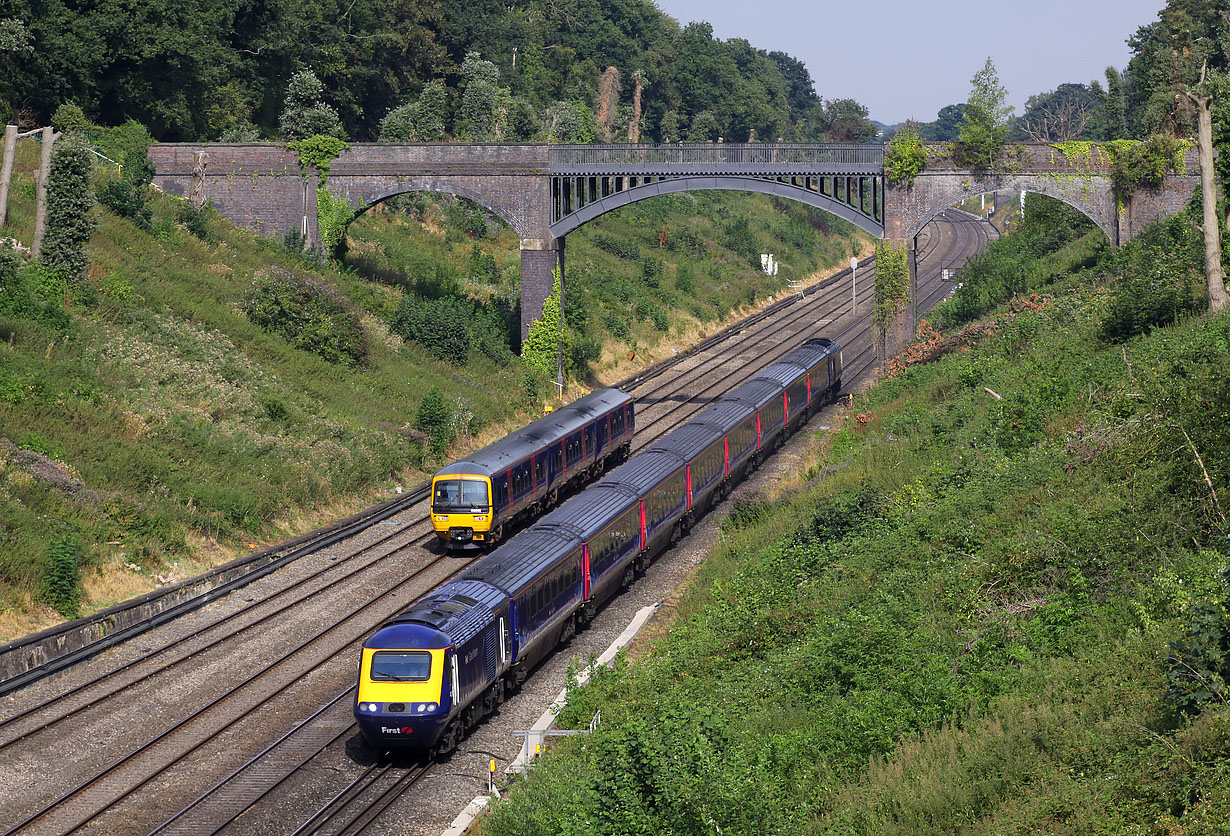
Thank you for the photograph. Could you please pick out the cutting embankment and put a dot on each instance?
(995, 602)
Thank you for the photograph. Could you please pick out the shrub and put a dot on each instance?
(69, 118)
(434, 418)
(69, 201)
(195, 220)
(128, 196)
(442, 326)
(309, 314)
(60, 585)
(1161, 278)
(1200, 665)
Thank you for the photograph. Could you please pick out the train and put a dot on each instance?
(434, 671)
(476, 501)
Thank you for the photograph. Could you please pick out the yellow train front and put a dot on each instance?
(476, 502)
(461, 511)
(435, 670)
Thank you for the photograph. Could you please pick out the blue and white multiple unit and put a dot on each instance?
(434, 671)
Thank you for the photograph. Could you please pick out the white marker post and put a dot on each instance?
(853, 284)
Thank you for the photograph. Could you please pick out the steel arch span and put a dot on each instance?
(808, 190)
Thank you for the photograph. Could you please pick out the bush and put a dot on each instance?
(435, 419)
(69, 201)
(128, 196)
(195, 220)
(1161, 280)
(442, 326)
(60, 586)
(309, 314)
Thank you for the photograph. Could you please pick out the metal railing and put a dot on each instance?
(717, 154)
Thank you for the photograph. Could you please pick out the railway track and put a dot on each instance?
(236, 717)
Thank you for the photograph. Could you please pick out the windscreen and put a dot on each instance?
(401, 666)
(468, 495)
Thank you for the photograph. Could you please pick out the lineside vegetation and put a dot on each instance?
(998, 605)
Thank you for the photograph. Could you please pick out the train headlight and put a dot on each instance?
(441, 518)
(480, 519)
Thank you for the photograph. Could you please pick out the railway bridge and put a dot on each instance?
(546, 191)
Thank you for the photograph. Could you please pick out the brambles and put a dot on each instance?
(309, 314)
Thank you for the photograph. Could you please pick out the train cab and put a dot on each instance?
(461, 511)
(403, 695)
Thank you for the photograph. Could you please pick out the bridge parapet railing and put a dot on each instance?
(718, 157)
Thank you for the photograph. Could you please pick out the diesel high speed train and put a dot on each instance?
(434, 671)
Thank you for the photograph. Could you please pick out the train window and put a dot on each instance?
(540, 470)
(400, 666)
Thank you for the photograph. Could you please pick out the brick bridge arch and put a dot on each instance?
(545, 191)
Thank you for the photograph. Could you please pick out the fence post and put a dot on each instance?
(6, 172)
(40, 194)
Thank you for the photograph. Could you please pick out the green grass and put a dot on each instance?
(966, 626)
(157, 417)
(634, 278)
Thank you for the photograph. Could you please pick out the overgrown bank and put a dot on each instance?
(643, 280)
(1002, 609)
(196, 391)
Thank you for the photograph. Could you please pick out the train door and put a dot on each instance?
(600, 432)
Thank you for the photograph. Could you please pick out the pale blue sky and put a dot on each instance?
(907, 59)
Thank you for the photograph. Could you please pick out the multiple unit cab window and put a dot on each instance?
(707, 468)
(664, 501)
(552, 585)
(615, 542)
(460, 495)
(743, 438)
(400, 666)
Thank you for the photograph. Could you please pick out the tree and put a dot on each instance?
(984, 128)
(477, 116)
(1068, 112)
(946, 126)
(704, 127)
(1214, 271)
(69, 201)
(304, 114)
(419, 121)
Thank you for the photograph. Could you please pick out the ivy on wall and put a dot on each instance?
(905, 156)
(333, 215)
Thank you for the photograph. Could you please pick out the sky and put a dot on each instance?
(905, 59)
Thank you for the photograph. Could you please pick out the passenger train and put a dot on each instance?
(435, 670)
(475, 501)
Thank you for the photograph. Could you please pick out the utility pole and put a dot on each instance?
(6, 172)
(40, 193)
(853, 284)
